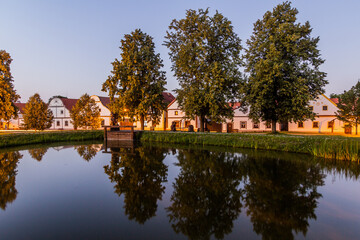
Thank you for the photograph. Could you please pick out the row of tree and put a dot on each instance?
(281, 65)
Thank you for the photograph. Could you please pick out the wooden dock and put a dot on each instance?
(119, 133)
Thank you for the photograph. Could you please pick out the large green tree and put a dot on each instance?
(36, 114)
(283, 62)
(85, 113)
(205, 55)
(137, 82)
(349, 106)
(8, 94)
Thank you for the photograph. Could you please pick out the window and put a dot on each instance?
(268, 124)
(311, 108)
(61, 112)
(187, 123)
(331, 124)
(176, 113)
(256, 125)
(300, 124)
(242, 124)
(58, 123)
(145, 123)
(315, 124)
(66, 123)
(99, 109)
(102, 122)
(325, 108)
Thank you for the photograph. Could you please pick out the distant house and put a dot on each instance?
(61, 106)
(105, 114)
(16, 123)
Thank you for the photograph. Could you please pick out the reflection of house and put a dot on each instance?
(325, 121)
(61, 106)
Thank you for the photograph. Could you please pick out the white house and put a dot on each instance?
(61, 106)
(105, 114)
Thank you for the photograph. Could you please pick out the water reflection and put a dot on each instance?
(281, 196)
(37, 153)
(8, 164)
(88, 152)
(206, 197)
(138, 173)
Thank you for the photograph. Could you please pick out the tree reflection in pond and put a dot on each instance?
(37, 153)
(206, 198)
(281, 195)
(88, 152)
(138, 174)
(8, 164)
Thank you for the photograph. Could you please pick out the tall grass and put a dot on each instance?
(334, 147)
(17, 139)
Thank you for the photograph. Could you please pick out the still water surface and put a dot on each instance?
(175, 192)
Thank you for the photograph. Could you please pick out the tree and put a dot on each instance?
(283, 62)
(36, 114)
(85, 113)
(8, 94)
(349, 106)
(205, 55)
(38, 153)
(136, 84)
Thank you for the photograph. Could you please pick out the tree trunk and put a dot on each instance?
(142, 120)
(273, 126)
(356, 127)
(202, 120)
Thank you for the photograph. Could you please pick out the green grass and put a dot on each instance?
(334, 147)
(18, 139)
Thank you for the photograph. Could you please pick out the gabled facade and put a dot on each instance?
(105, 114)
(61, 110)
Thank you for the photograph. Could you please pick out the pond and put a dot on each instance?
(90, 191)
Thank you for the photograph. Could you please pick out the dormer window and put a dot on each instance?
(61, 112)
(176, 113)
(325, 108)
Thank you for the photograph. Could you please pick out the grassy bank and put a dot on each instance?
(18, 139)
(335, 147)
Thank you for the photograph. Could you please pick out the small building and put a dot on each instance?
(16, 123)
(60, 107)
(105, 114)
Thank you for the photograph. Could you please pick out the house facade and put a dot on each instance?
(105, 114)
(60, 108)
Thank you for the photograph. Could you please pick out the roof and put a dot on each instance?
(168, 97)
(69, 103)
(335, 100)
(20, 106)
(104, 100)
(235, 105)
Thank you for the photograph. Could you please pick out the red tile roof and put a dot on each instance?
(69, 103)
(104, 100)
(168, 97)
(335, 100)
(20, 106)
(235, 105)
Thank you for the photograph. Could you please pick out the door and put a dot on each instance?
(229, 127)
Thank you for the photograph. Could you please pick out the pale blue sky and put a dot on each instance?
(62, 47)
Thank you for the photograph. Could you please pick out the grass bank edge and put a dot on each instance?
(18, 139)
(334, 147)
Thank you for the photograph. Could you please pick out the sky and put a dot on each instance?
(65, 47)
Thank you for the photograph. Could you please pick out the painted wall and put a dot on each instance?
(61, 114)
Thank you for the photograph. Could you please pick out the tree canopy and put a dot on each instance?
(205, 55)
(349, 106)
(36, 114)
(85, 113)
(283, 62)
(137, 82)
(8, 94)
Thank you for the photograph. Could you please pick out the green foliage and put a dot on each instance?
(36, 114)
(136, 84)
(85, 113)
(340, 148)
(19, 139)
(8, 94)
(283, 62)
(205, 55)
(138, 174)
(8, 164)
(349, 106)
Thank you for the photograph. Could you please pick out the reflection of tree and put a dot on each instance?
(38, 153)
(138, 174)
(8, 164)
(281, 196)
(87, 152)
(206, 198)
